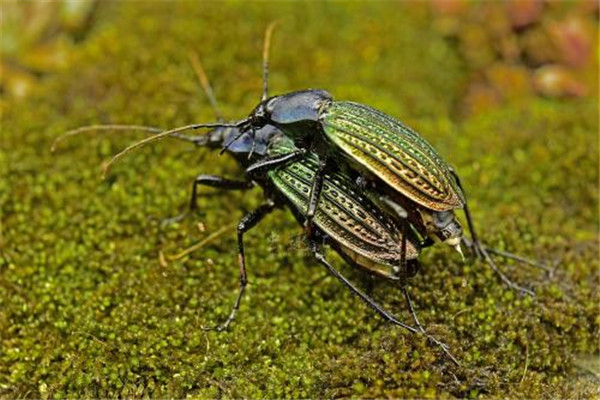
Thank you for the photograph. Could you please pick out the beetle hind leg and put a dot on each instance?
(314, 196)
(315, 248)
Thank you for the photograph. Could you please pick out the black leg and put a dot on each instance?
(393, 206)
(371, 303)
(246, 223)
(251, 153)
(414, 315)
(212, 181)
(481, 252)
(315, 190)
(403, 245)
(412, 309)
(274, 161)
(523, 260)
(313, 199)
(216, 182)
(474, 236)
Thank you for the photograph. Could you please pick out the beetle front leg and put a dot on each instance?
(315, 194)
(246, 223)
(481, 252)
(505, 254)
(412, 309)
(270, 163)
(212, 181)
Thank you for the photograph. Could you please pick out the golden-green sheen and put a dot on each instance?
(365, 234)
(394, 153)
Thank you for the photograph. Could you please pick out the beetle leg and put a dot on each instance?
(412, 309)
(246, 223)
(416, 319)
(474, 237)
(372, 303)
(272, 162)
(315, 193)
(212, 181)
(395, 207)
(253, 130)
(403, 245)
(481, 252)
(523, 260)
(315, 190)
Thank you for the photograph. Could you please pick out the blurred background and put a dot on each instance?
(91, 306)
(511, 50)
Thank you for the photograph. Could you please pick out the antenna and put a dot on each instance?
(89, 128)
(266, 46)
(205, 83)
(198, 140)
(161, 135)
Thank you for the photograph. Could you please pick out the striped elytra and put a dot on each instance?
(392, 152)
(362, 231)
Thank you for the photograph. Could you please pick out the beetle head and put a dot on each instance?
(258, 118)
(442, 226)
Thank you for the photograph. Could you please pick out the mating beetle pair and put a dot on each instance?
(391, 155)
(388, 182)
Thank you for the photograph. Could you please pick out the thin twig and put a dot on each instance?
(201, 243)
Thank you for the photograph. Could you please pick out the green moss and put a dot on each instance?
(88, 310)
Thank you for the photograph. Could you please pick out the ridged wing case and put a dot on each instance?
(365, 233)
(393, 152)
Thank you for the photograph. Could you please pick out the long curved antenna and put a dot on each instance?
(143, 142)
(199, 140)
(266, 47)
(205, 83)
(83, 129)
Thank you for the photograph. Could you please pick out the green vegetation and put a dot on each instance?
(87, 308)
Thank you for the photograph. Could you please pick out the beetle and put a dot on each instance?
(395, 161)
(398, 161)
(275, 156)
(346, 219)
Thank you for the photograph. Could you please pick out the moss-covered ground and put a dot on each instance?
(87, 308)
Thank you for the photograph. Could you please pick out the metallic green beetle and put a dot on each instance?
(346, 219)
(397, 162)
(373, 144)
(358, 229)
